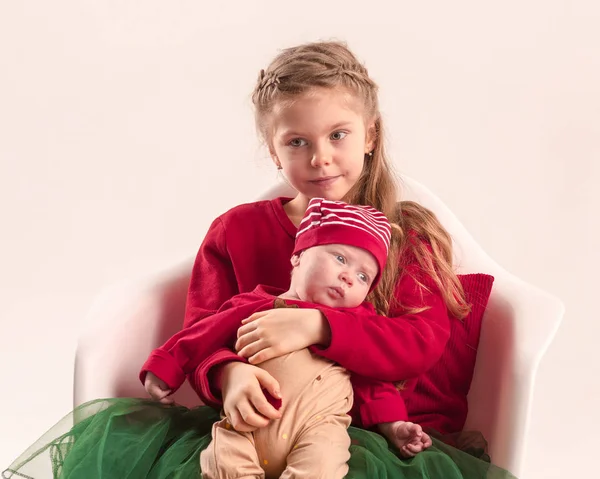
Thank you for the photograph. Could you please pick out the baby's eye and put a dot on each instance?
(338, 135)
(340, 258)
(297, 142)
(363, 277)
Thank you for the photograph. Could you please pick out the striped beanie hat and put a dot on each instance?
(336, 222)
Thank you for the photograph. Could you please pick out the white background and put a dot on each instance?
(126, 127)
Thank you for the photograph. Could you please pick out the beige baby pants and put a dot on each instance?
(309, 441)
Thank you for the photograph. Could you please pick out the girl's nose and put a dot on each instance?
(321, 156)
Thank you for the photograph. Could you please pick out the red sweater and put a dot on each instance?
(252, 244)
(186, 350)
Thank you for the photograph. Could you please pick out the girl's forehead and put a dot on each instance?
(321, 109)
(319, 99)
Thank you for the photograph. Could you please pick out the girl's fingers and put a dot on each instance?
(414, 448)
(254, 317)
(262, 355)
(247, 339)
(406, 452)
(413, 441)
(250, 349)
(245, 329)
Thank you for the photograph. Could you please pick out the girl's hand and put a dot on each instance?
(158, 389)
(244, 402)
(408, 437)
(273, 333)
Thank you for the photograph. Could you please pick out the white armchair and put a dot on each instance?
(130, 319)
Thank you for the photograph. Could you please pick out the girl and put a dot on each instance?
(317, 111)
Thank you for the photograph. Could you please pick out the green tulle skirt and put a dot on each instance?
(135, 439)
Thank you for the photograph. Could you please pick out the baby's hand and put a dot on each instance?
(158, 389)
(408, 437)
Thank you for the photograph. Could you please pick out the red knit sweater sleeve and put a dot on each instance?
(376, 402)
(191, 346)
(213, 280)
(397, 347)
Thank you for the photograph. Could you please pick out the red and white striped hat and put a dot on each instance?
(336, 222)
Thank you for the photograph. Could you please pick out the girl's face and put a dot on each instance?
(320, 142)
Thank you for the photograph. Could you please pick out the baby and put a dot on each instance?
(339, 254)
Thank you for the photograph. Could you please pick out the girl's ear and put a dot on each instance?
(371, 137)
(274, 156)
(276, 161)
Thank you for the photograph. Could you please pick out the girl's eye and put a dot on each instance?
(340, 258)
(363, 277)
(297, 142)
(338, 135)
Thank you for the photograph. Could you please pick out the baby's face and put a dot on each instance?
(334, 275)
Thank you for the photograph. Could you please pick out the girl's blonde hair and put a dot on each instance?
(298, 71)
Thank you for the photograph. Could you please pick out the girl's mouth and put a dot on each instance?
(325, 181)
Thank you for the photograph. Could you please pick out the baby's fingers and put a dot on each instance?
(250, 419)
(154, 391)
(166, 397)
(159, 394)
(236, 421)
(263, 406)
